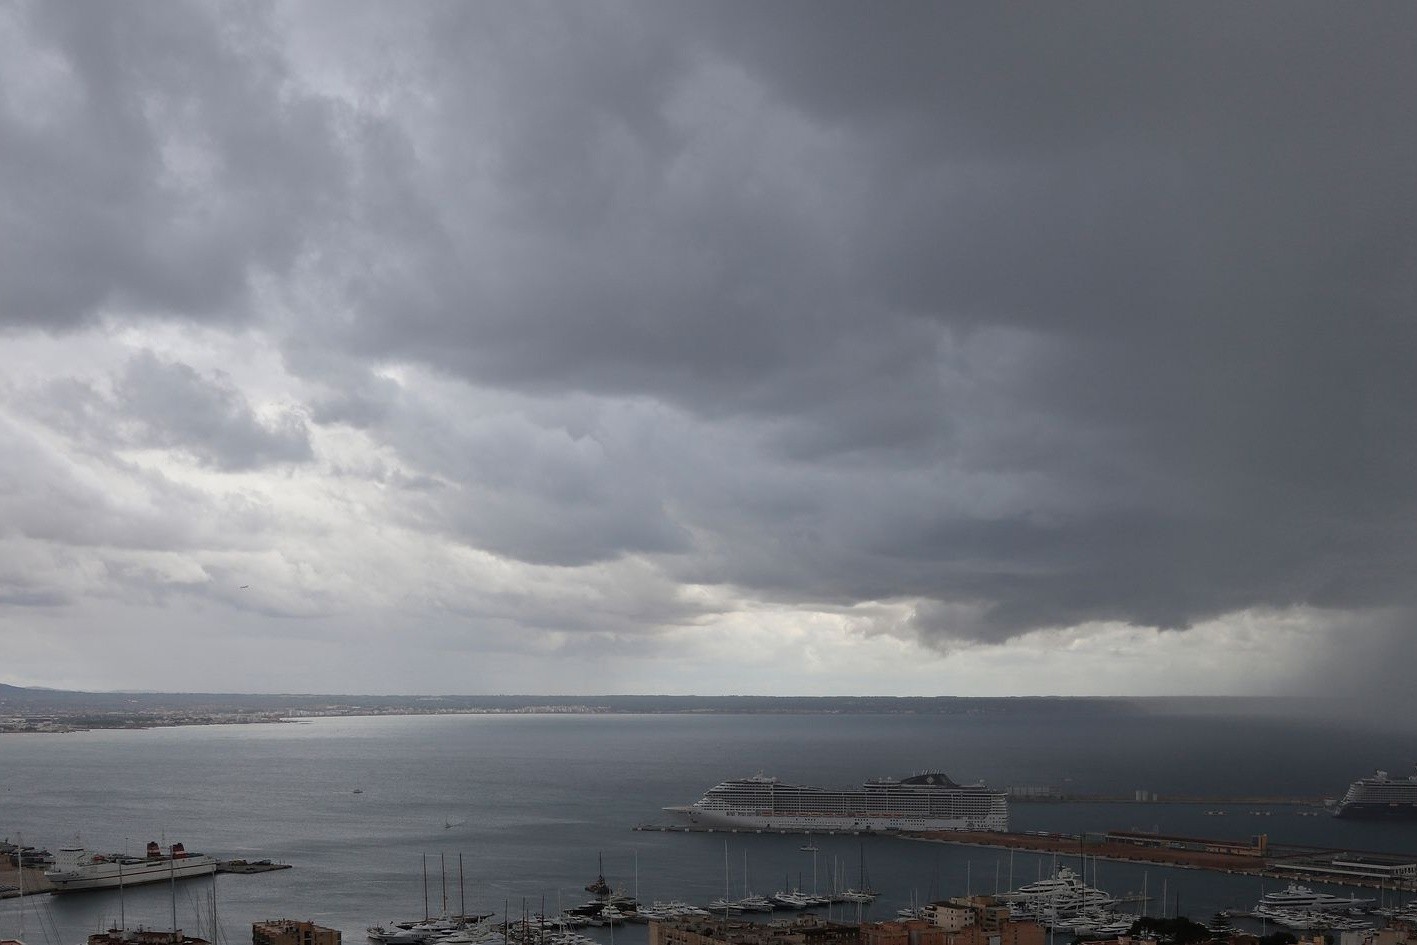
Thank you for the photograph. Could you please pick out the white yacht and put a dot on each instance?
(1059, 900)
(1295, 896)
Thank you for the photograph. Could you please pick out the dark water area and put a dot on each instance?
(530, 801)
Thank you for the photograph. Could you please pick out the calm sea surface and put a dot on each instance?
(529, 802)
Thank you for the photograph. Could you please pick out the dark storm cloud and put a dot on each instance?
(1200, 220)
(154, 159)
(172, 406)
(545, 483)
(1202, 230)
(63, 507)
(1040, 315)
(161, 404)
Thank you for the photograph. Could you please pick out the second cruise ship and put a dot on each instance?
(926, 801)
(1380, 797)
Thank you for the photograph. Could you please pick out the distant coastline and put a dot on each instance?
(38, 710)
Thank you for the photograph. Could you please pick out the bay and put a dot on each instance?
(530, 802)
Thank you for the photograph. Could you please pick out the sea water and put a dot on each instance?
(515, 812)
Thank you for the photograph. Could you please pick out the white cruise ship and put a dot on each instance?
(75, 868)
(1380, 797)
(927, 801)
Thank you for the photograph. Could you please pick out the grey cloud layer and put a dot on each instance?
(159, 404)
(1041, 316)
(153, 161)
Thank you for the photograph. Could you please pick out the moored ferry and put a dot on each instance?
(76, 868)
(926, 801)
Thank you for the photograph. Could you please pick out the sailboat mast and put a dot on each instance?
(20, 875)
(172, 882)
(727, 893)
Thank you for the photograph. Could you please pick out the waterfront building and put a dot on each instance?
(1397, 932)
(1397, 871)
(981, 920)
(716, 931)
(902, 932)
(954, 915)
(292, 932)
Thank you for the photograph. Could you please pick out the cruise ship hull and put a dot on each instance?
(748, 820)
(1380, 797)
(110, 876)
(1376, 811)
(923, 802)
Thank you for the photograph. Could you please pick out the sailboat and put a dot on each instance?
(600, 887)
(751, 902)
(141, 936)
(863, 891)
(809, 846)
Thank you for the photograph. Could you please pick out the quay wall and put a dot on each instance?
(1151, 855)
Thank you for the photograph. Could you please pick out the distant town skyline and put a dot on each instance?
(709, 348)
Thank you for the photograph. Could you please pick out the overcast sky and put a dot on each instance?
(908, 348)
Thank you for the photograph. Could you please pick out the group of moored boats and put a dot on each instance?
(789, 899)
(1064, 902)
(604, 910)
(1299, 907)
(607, 908)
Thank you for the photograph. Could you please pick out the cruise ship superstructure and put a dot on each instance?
(1380, 797)
(76, 868)
(926, 801)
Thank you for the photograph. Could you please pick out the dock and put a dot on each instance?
(34, 881)
(36, 884)
(243, 866)
(779, 831)
(1311, 864)
(1279, 861)
(1205, 800)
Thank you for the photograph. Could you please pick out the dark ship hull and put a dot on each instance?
(1360, 810)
